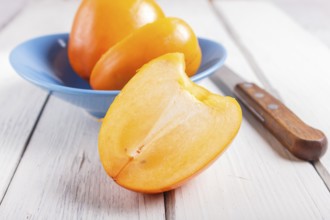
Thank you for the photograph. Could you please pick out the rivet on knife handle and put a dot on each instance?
(301, 140)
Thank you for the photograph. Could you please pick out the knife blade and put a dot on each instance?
(302, 140)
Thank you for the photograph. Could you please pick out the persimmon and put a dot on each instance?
(163, 129)
(99, 24)
(118, 65)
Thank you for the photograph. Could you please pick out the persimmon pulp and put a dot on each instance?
(162, 129)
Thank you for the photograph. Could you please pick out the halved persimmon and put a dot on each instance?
(119, 64)
(162, 129)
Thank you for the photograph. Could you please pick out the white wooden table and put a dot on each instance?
(49, 164)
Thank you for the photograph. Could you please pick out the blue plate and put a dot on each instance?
(44, 62)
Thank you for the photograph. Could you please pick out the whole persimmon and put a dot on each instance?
(119, 64)
(163, 129)
(99, 24)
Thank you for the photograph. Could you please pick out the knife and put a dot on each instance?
(300, 139)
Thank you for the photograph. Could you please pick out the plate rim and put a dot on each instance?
(79, 91)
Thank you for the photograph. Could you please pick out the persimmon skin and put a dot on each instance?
(99, 24)
(120, 63)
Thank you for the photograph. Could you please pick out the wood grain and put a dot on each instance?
(259, 181)
(16, 123)
(9, 9)
(61, 177)
(294, 61)
(20, 101)
(256, 178)
(312, 15)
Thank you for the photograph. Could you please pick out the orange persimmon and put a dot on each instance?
(118, 65)
(99, 24)
(163, 129)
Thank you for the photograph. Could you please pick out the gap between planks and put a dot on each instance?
(26, 145)
(14, 10)
(166, 200)
(319, 168)
(10, 12)
(169, 202)
(246, 53)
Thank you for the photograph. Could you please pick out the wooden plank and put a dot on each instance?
(20, 106)
(61, 177)
(312, 15)
(294, 61)
(9, 9)
(252, 180)
(20, 101)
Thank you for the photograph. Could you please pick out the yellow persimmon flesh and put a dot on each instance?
(162, 129)
(119, 64)
(99, 24)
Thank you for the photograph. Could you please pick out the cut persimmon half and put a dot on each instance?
(162, 129)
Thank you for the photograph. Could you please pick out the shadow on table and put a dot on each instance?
(264, 133)
(269, 138)
(91, 192)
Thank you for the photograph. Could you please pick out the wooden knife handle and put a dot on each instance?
(301, 140)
